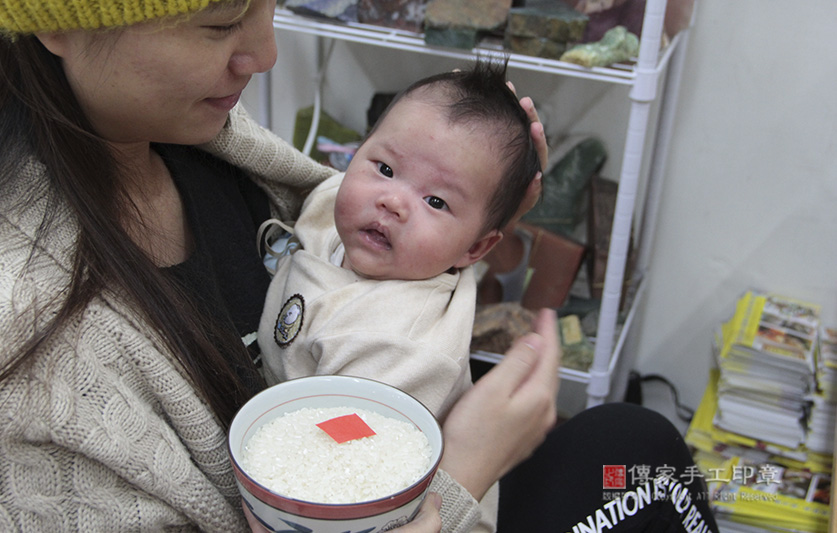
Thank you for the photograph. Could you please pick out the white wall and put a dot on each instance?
(751, 192)
(750, 197)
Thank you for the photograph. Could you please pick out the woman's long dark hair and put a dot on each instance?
(40, 117)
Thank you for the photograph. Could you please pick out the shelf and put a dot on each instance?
(653, 78)
(581, 376)
(624, 74)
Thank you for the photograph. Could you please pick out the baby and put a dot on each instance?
(382, 285)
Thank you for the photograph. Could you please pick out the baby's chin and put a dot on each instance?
(394, 275)
(371, 273)
(369, 268)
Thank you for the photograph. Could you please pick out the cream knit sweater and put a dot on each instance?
(102, 432)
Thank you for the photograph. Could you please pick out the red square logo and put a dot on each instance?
(613, 476)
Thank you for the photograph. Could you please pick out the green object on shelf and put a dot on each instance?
(463, 38)
(618, 44)
(328, 127)
(562, 205)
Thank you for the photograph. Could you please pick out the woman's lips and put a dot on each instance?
(225, 103)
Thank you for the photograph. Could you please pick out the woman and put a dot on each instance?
(129, 280)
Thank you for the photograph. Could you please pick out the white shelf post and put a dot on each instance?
(642, 96)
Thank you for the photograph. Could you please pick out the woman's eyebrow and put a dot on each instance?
(223, 6)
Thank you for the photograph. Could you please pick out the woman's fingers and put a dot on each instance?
(535, 356)
(427, 520)
(536, 130)
(546, 327)
(533, 194)
(539, 136)
(507, 413)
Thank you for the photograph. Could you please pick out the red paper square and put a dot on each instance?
(613, 476)
(345, 428)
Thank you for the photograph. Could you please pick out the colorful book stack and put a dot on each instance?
(763, 434)
(768, 369)
(821, 425)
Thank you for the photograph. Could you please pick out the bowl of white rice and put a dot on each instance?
(334, 454)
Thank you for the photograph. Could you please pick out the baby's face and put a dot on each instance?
(413, 202)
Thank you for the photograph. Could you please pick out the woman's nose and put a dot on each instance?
(265, 57)
(257, 50)
(259, 58)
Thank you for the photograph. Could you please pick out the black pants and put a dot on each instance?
(596, 472)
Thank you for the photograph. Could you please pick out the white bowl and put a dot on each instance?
(281, 513)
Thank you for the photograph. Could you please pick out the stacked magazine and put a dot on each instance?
(768, 369)
(763, 434)
(821, 424)
(753, 496)
(756, 486)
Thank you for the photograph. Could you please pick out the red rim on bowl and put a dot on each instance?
(334, 511)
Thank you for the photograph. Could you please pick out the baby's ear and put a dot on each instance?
(478, 250)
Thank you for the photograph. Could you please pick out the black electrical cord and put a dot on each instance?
(683, 412)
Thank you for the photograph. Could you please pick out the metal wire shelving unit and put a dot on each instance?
(653, 77)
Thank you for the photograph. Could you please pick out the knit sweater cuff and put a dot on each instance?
(460, 510)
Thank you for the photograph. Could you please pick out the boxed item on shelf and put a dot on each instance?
(543, 29)
(462, 23)
(531, 266)
(600, 221)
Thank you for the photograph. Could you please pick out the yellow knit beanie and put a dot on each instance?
(29, 16)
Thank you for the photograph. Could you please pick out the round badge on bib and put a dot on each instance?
(289, 321)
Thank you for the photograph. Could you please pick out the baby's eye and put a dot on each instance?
(385, 169)
(435, 202)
